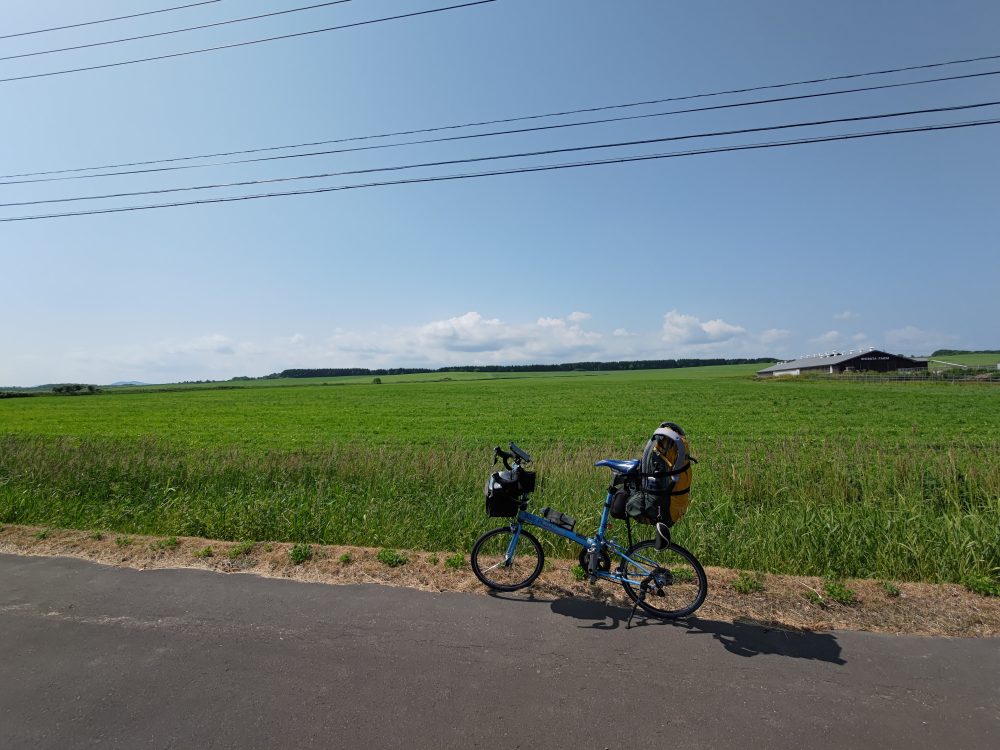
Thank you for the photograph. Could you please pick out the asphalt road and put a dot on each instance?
(92, 656)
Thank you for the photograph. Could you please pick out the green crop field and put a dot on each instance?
(890, 480)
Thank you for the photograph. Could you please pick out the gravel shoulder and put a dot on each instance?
(786, 602)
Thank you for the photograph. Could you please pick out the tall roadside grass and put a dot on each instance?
(864, 508)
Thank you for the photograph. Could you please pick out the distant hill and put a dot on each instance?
(129, 382)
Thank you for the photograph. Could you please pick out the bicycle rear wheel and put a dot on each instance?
(494, 568)
(675, 583)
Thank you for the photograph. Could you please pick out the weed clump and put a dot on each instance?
(43, 534)
(95, 536)
(813, 597)
(204, 552)
(241, 549)
(123, 541)
(392, 558)
(169, 542)
(432, 559)
(748, 583)
(345, 559)
(891, 590)
(300, 553)
(578, 572)
(982, 585)
(838, 592)
(455, 562)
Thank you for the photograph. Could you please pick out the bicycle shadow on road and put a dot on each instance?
(741, 637)
(747, 638)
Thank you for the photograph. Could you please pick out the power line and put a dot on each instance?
(515, 131)
(504, 120)
(546, 152)
(174, 31)
(245, 44)
(108, 20)
(518, 170)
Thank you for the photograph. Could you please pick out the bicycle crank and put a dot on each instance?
(601, 564)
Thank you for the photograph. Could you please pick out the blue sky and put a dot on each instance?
(887, 242)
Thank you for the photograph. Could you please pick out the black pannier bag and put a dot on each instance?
(626, 484)
(525, 480)
(505, 490)
(503, 494)
(619, 503)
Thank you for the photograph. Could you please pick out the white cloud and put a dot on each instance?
(829, 338)
(578, 317)
(914, 340)
(846, 315)
(467, 339)
(467, 333)
(213, 356)
(771, 335)
(686, 333)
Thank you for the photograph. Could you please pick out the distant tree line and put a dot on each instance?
(951, 352)
(642, 364)
(75, 389)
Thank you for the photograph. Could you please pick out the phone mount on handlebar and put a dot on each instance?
(525, 458)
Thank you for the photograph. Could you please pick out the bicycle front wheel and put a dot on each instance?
(675, 583)
(501, 568)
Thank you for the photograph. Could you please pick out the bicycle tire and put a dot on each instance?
(487, 546)
(691, 596)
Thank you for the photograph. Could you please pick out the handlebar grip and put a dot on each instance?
(500, 453)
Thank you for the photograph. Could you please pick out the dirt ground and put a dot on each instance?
(789, 602)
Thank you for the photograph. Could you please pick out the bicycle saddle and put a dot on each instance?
(619, 466)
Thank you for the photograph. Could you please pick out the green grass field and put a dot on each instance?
(888, 480)
(972, 360)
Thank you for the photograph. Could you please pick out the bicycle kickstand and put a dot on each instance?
(642, 597)
(628, 625)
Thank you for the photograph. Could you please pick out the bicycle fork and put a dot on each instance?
(509, 558)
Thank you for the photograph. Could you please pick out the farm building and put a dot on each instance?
(871, 360)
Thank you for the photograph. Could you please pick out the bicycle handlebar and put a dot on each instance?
(500, 454)
(518, 456)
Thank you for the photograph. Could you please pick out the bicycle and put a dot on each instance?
(509, 558)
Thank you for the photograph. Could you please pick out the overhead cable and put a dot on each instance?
(108, 20)
(517, 170)
(174, 31)
(504, 120)
(247, 43)
(546, 152)
(536, 128)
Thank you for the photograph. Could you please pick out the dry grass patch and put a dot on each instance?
(794, 602)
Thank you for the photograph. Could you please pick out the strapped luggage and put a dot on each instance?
(664, 484)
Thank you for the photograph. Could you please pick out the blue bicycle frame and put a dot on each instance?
(598, 541)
